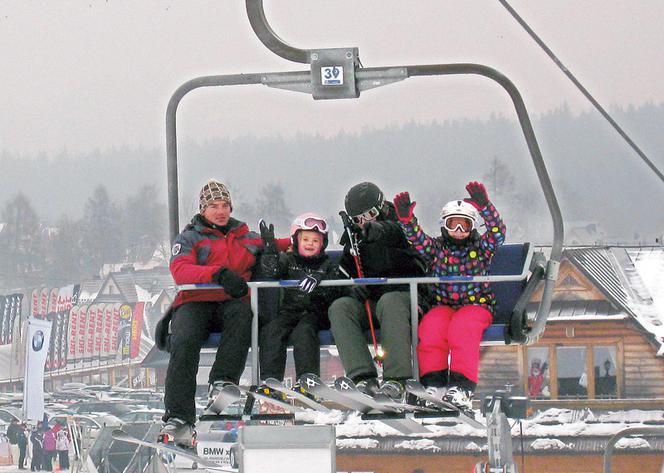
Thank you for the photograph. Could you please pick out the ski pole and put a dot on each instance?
(355, 252)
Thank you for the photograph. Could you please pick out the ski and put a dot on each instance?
(347, 387)
(227, 396)
(123, 436)
(318, 388)
(383, 405)
(417, 389)
(303, 398)
(360, 402)
(287, 406)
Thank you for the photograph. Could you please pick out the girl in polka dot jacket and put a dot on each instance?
(448, 351)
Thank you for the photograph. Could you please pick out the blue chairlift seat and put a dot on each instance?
(508, 260)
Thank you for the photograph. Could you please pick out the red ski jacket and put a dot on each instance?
(200, 250)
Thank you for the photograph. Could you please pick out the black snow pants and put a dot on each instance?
(302, 330)
(191, 325)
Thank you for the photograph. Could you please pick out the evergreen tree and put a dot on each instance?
(65, 264)
(101, 232)
(271, 206)
(21, 251)
(144, 223)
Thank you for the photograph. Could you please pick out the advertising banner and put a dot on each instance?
(115, 329)
(82, 327)
(34, 302)
(99, 331)
(124, 333)
(17, 312)
(43, 302)
(4, 311)
(73, 335)
(91, 326)
(38, 336)
(136, 329)
(108, 328)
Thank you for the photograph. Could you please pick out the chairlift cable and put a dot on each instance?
(583, 90)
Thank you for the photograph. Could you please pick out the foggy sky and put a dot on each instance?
(86, 75)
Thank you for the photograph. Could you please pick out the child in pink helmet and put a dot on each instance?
(303, 308)
(450, 333)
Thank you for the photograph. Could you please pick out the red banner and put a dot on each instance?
(43, 302)
(115, 328)
(136, 329)
(73, 334)
(90, 332)
(82, 327)
(99, 331)
(108, 328)
(35, 303)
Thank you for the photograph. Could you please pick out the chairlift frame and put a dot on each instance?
(356, 79)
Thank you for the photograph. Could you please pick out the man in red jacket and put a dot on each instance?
(213, 248)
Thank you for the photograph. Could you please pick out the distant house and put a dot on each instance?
(604, 339)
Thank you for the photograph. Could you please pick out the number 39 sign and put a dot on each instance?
(332, 75)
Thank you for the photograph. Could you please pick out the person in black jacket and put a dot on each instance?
(37, 450)
(303, 308)
(383, 252)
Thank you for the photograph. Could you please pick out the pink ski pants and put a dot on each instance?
(455, 333)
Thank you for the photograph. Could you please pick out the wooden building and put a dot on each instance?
(604, 338)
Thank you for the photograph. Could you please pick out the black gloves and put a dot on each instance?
(308, 284)
(267, 235)
(479, 198)
(372, 231)
(360, 293)
(404, 207)
(232, 283)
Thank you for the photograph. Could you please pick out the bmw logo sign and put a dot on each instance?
(38, 340)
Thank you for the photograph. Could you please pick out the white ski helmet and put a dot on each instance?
(459, 208)
(309, 221)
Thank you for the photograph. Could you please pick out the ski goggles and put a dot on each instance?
(371, 214)
(459, 223)
(313, 223)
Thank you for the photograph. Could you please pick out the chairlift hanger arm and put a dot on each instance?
(269, 38)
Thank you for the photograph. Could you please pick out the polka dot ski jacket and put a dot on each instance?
(472, 258)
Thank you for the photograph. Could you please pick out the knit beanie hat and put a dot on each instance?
(213, 190)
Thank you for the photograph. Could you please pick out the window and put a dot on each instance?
(604, 361)
(580, 371)
(572, 372)
(538, 373)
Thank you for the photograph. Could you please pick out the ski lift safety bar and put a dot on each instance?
(411, 282)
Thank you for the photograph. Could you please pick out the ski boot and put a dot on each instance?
(393, 389)
(368, 386)
(213, 391)
(460, 397)
(178, 432)
(436, 391)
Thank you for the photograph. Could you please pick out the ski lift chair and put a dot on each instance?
(336, 73)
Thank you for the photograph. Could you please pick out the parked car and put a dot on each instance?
(142, 415)
(6, 415)
(115, 408)
(89, 426)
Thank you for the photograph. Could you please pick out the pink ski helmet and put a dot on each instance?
(309, 221)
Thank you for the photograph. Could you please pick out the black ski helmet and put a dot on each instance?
(362, 197)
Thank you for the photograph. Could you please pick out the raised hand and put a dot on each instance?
(404, 207)
(267, 235)
(479, 198)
